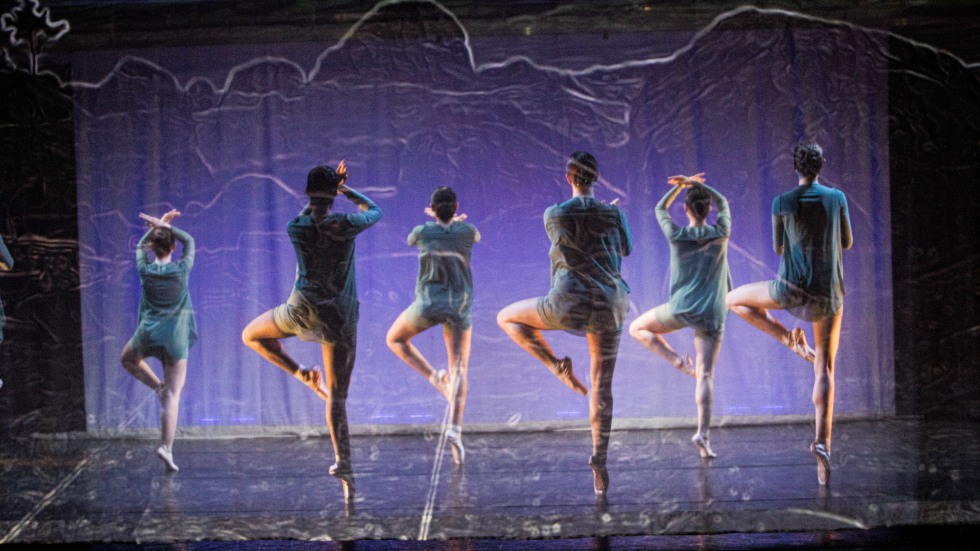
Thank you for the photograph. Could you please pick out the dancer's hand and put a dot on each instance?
(170, 216)
(153, 221)
(686, 181)
(614, 202)
(458, 218)
(342, 172)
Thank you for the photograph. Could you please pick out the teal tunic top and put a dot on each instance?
(588, 241)
(6, 263)
(325, 274)
(810, 229)
(444, 289)
(167, 327)
(699, 275)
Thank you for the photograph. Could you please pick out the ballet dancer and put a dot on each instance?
(443, 295)
(323, 305)
(6, 264)
(811, 227)
(588, 294)
(167, 327)
(699, 281)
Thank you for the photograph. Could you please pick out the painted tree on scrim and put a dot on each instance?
(29, 28)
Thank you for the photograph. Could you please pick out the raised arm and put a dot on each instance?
(141, 249)
(187, 253)
(6, 261)
(677, 183)
(724, 214)
(370, 214)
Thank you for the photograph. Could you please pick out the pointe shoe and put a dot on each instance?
(600, 476)
(823, 462)
(704, 448)
(168, 459)
(345, 474)
(563, 370)
(314, 379)
(797, 343)
(455, 440)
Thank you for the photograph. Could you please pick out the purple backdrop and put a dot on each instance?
(227, 134)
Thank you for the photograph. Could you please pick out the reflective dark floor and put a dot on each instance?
(523, 486)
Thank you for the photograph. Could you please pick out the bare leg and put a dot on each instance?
(174, 375)
(752, 303)
(262, 335)
(523, 325)
(647, 330)
(138, 368)
(827, 339)
(603, 349)
(399, 336)
(706, 352)
(338, 363)
(458, 351)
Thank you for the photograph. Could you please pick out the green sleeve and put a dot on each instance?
(845, 223)
(141, 249)
(371, 212)
(187, 256)
(666, 223)
(413, 238)
(724, 215)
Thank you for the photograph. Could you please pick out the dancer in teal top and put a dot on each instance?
(588, 294)
(6, 264)
(699, 281)
(443, 295)
(167, 328)
(811, 228)
(323, 305)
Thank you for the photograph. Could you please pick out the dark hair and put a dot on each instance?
(583, 168)
(808, 159)
(698, 200)
(444, 203)
(322, 181)
(162, 241)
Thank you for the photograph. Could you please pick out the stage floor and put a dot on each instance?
(520, 485)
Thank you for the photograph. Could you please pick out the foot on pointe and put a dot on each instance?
(797, 343)
(455, 440)
(704, 448)
(344, 473)
(563, 370)
(314, 379)
(168, 459)
(600, 476)
(822, 454)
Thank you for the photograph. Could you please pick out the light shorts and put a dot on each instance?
(576, 313)
(425, 316)
(800, 302)
(672, 322)
(299, 317)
